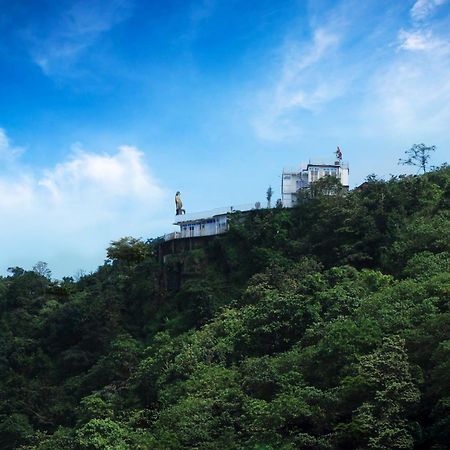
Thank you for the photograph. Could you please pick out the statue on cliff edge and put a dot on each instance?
(179, 204)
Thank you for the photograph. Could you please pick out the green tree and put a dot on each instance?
(42, 269)
(387, 394)
(14, 430)
(128, 249)
(325, 186)
(269, 194)
(418, 155)
(311, 327)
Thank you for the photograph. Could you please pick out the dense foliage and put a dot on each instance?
(325, 326)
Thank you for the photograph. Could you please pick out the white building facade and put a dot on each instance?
(296, 179)
(206, 223)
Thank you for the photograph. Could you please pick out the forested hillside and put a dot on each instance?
(325, 326)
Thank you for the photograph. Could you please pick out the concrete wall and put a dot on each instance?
(205, 227)
(293, 181)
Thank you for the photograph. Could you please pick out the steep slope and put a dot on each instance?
(325, 326)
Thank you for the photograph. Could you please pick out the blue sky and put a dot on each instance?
(107, 108)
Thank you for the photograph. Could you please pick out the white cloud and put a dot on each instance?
(301, 85)
(112, 176)
(16, 193)
(422, 9)
(342, 76)
(66, 215)
(422, 40)
(57, 50)
(8, 152)
(411, 96)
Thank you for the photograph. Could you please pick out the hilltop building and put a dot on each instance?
(197, 228)
(206, 223)
(296, 179)
(214, 222)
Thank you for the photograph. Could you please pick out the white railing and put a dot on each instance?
(325, 162)
(192, 217)
(196, 233)
(314, 162)
(171, 236)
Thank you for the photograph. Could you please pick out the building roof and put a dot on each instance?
(314, 163)
(204, 215)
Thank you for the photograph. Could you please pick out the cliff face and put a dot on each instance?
(325, 326)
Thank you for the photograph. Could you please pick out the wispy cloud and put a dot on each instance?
(411, 97)
(299, 85)
(423, 9)
(411, 92)
(387, 79)
(57, 49)
(199, 13)
(8, 151)
(76, 207)
(422, 40)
